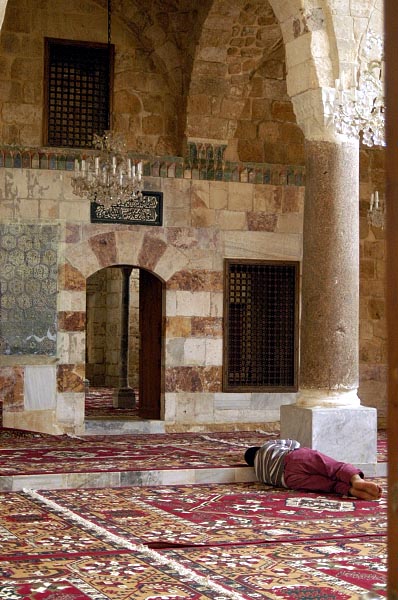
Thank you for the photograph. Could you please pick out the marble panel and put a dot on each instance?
(262, 401)
(177, 477)
(43, 481)
(131, 478)
(40, 385)
(346, 434)
(92, 480)
(221, 475)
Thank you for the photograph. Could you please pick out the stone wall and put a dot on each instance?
(373, 327)
(204, 222)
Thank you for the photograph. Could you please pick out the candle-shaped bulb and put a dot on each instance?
(376, 199)
(372, 199)
(77, 165)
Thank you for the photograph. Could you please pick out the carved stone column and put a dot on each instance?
(124, 396)
(328, 415)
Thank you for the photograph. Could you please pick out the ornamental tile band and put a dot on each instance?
(200, 165)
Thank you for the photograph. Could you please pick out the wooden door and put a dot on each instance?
(151, 334)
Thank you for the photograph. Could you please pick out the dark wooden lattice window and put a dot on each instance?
(78, 78)
(260, 326)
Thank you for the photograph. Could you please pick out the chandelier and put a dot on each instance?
(361, 108)
(110, 176)
(376, 215)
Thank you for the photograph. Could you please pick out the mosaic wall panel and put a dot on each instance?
(28, 288)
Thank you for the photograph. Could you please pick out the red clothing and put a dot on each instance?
(310, 470)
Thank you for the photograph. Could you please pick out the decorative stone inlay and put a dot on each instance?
(70, 378)
(71, 321)
(104, 248)
(259, 221)
(70, 278)
(196, 281)
(28, 282)
(152, 250)
(193, 379)
(178, 327)
(207, 326)
(12, 388)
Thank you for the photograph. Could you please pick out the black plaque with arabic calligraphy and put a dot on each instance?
(143, 211)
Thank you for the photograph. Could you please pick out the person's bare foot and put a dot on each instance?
(364, 490)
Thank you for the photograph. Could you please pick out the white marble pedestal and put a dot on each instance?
(347, 434)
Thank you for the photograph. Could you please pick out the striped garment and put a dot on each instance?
(269, 461)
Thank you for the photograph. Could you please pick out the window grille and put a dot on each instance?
(77, 92)
(260, 326)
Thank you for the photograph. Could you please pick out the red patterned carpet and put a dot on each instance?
(241, 541)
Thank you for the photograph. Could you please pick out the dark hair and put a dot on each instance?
(250, 454)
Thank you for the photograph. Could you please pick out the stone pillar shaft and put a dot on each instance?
(330, 282)
(328, 416)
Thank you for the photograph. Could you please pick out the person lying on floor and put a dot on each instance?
(283, 463)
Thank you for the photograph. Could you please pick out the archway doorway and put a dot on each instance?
(124, 340)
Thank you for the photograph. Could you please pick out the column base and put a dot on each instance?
(124, 398)
(348, 434)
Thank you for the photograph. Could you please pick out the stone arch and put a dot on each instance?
(129, 247)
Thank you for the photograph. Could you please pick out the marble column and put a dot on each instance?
(328, 415)
(124, 396)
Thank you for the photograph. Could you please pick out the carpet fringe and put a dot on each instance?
(155, 556)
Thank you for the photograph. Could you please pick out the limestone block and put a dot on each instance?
(193, 304)
(213, 351)
(27, 209)
(170, 406)
(240, 196)
(267, 198)
(76, 210)
(194, 352)
(218, 195)
(263, 245)
(235, 401)
(70, 409)
(71, 347)
(216, 304)
(176, 192)
(178, 327)
(128, 245)
(232, 220)
(40, 387)
(171, 303)
(170, 262)
(290, 223)
(175, 352)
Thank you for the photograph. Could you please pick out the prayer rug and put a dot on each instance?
(219, 514)
(342, 569)
(55, 454)
(54, 553)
